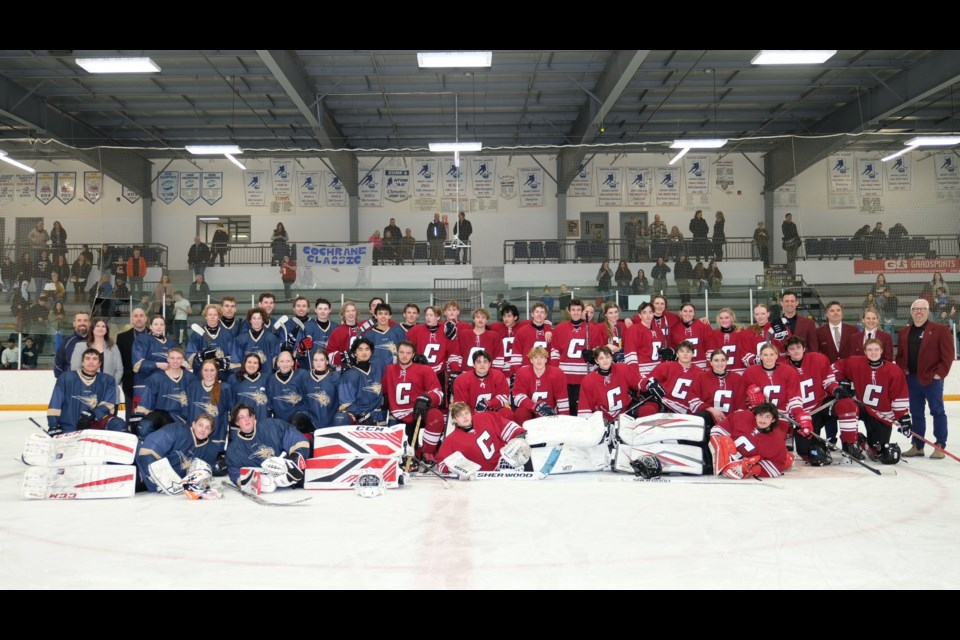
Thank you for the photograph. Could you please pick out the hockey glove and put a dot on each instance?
(754, 396)
(220, 466)
(305, 346)
(346, 361)
(844, 390)
(618, 356)
(421, 404)
(544, 410)
(780, 332)
(286, 469)
(805, 426)
(516, 453)
(223, 364)
(420, 359)
(292, 340)
(133, 424)
(589, 356)
(482, 405)
(450, 330)
(756, 359)
(54, 430)
(208, 354)
(667, 354)
(457, 463)
(654, 387)
(905, 425)
(85, 421)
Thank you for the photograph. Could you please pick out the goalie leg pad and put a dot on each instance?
(662, 427)
(675, 457)
(724, 451)
(568, 430)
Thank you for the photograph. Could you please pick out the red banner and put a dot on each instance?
(913, 265)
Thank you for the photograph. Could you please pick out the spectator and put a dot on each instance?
(198, 257)
(547, 299)
(630, 233)
(604, 279)
(62, 267)
(58, 324)
(101, 295)
(81, 327)
(41, 271)
(938, 282)
(79, 272)
(10, 357)
(925, 353)
(682, 274)
(498, 304)
(288, 274)
(699, 230)
(377, 243)
(927, 293)
(658, 237)
(54, 289)
(108, 259)
(640, 284)
(38, 239)
(880, 285)
(390, 247)
(623, 277)
(30, 355)
(58, 241)
(86, 252)
(643, 244)
(860, 241)
(220, 240)
(889, 310)
(870, 302)
(700, 276)
(791, 242)
(898, 241)
(392, 241)
(714, 277)
(111, 362)
(719, 236)
(199, 292)
(676, 242)
(38, 319)
(163, 296)
(8, 272)
(463, 229)
(878, 242)
(659, 275)
(136, 270)
(408, 246)
(943, 309)
(436, 236)
(181, 311)
(278, 244)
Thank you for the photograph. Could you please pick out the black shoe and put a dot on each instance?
(853, 451)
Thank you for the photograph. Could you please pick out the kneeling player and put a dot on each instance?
(751, 443)
(480, 441)
(484, 388)
(607, 389)
(539, 390)
(676, 387)
(264, 454)
(359, 392)
(413, 394)
(169, 455)
(84, 399)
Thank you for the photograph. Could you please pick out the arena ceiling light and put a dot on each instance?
(118, 65)
(454, 59)
(456, 147)
(695, 143)
(924, 141)
(6, 158)
(213, 149)
(793, 56)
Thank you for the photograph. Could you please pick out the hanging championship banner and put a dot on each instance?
(26, 187)
(92, 186)
(840, 191)
(190, 186)
(168, 186)
(582, 184)
(948, 178)
(425, 179)
(308, 188)
(334, 195)
(723, 170)
(321, 263)
(66, 186)
(370, 189)
(638, 187)
(531, 187)
(129, 194)
(452, 181)
(609, 187)
(899, 174)
(212, 189)
(397, 188)
(281, 174)
(7, 188)
(696, 174)
(869, 176)
(668, 187)
(46, 187)
(255, 188)
(482, 172)
(508, 186)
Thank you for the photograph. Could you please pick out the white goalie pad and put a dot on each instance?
(661, 427)
(79, 483)
(571, 459)
(165, 478)
(359, 439)
(675, 458)
(341, 471)
(568, 430)
(91, 446)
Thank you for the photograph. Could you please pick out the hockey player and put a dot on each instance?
(359, 393)
(817, 385)
(607, 389)
(879, 397)
(536, 334)
(209, 396)
(726, 337)
(693, 331)
(258, 339)
(165, 398)
(250, 386)
(644, 342)
(780, 385)
(762, 332)
(371, 322)
(477, 338)
(229, 319)
(286, 391)
(411, 313)
(507, 330)
(484, 388)
(751, 443)
(569, 346)
(84, 399)
(431, 344)
(341, 338)
(167, 455)
(676, 387)
(320, 390)
(613, 330)
(320, 327)
(268, 302)
(213, 343)
(663, 320)
(539, 390)
(293, 336)
(453, 325)
(150, 351)
(385, 336)
(413, 393)
(264, 454)
(720, 388)
(482, 439)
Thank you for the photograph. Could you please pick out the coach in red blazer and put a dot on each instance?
(925, 353)
(799, 326)
(848, 332)
(871, 329)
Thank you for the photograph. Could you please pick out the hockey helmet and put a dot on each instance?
(198, 475)
(819, 455)
(369, 484)
(647, 467)
(890, 454)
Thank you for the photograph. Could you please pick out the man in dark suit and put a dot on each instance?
(804, 328)
(138, 322)
(836, 337)
(925, 353)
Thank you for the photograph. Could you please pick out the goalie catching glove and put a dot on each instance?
(516, 453)
(589, 356)
(285, 469)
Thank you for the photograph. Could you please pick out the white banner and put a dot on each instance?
(452, 181)
(319, 264)
(508, 186)
(26, 186)
(168, 186)
(582, 184)
(397, 186)
(668, 187)
(869, 176)
(370, 189)
(841, 193)
(609, 187)
(899, 173)
(308, 188)
(531, 187)
(190, 186)
(786, 195)
(92, 185)
(723, 170)
(482, 172)
(696, 174)
(255, 188)
(212, 186)
(281, 175)
(334, 195)
(66, 186)
(7, 188)
(129, 194)
(425, 179)
(948, 178)
(638, 187)
(46, 187)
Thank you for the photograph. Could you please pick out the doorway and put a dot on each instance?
(630, 249)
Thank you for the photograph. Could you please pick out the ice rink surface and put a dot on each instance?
(837, 527)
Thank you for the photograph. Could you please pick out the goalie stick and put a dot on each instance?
(261, 501)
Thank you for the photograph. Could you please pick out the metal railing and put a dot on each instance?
(266, 253)
(155, 254)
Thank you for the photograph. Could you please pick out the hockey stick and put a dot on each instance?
(413, 443)
(261, 501)
(432, 468)
(824, 442)
(935, 446)
(39, 426)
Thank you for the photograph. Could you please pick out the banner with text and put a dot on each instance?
(211, 189)
(318, 264)
(610, 187)
(66, 186)
(7, 188)
(190, 186)
(531, 187)
(668, 187)
(903, 265)
(370, 189)
(255, 188)
(308, 189)
(482, 172)
(334, 195)
(582, 184)
(26, 186)
(92, 185)
(638, 187)
(46, 187)
(899, 173)
(840, 191)
(397, 186)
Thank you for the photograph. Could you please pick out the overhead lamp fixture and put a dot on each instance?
(702, 143)
(933, 141)
(235, 161)
(677, 157)
(898, 153)
(6, 158)
(118, 65)
(440, 147)
(213, 149)
(793, 56)
(454, 59)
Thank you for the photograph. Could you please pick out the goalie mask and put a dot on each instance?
(647, 467)
(369, 484)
